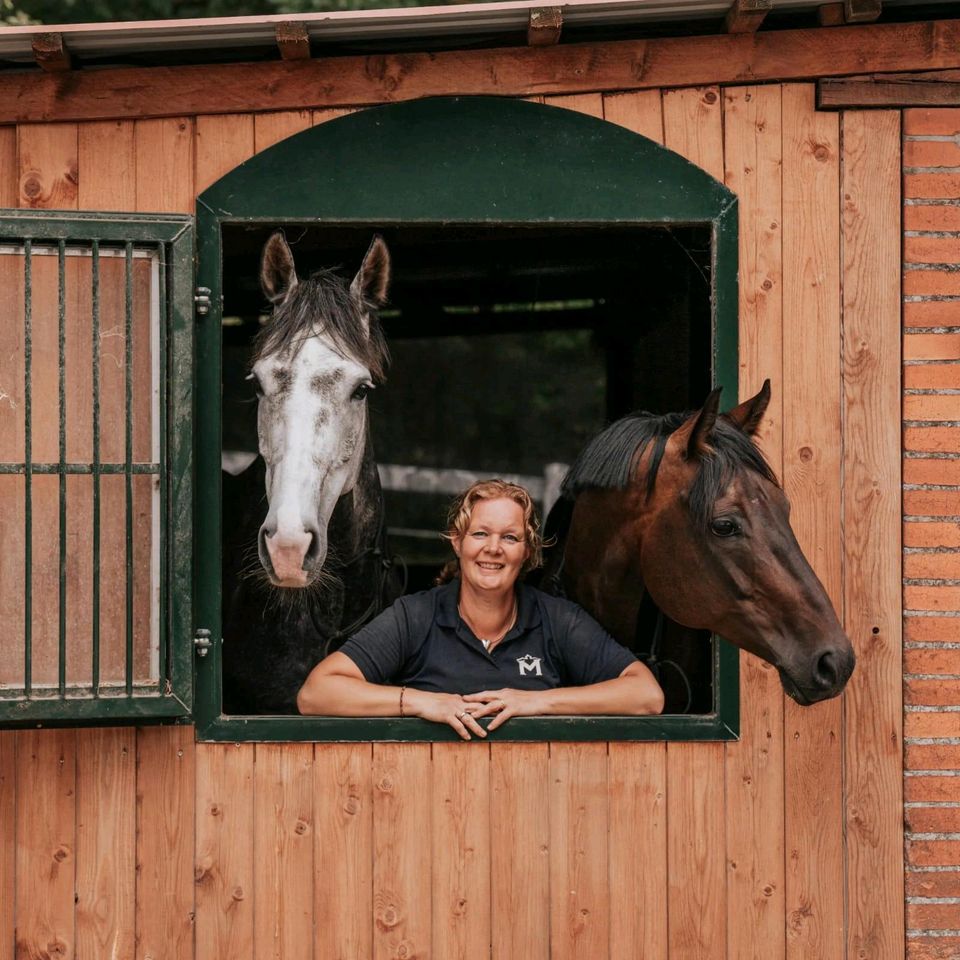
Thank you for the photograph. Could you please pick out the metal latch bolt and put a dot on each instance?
(202, 299)
(202, 642)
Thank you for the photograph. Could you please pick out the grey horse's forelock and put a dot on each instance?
(323, 304)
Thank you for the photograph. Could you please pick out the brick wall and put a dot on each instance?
(931, 532)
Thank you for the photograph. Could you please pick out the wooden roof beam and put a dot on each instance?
(51, 52)
(293, 40)
(544, 26)
(744, 16)
(850, 11)
(891, 90)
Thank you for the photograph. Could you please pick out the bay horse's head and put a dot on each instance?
(704, 522)
(316, 359)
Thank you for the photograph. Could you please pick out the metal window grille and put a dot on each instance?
(95, 433)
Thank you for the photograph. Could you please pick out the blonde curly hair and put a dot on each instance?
(461, 509)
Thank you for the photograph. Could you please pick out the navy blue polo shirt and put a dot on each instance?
(422, 641)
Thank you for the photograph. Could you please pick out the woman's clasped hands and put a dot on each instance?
(462, 713)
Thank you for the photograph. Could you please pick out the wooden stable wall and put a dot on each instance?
(786, 845)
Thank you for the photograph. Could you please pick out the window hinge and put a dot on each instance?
(202, 299)
(202, 642)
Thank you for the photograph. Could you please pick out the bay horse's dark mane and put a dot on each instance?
(610, 460)
(325, 294)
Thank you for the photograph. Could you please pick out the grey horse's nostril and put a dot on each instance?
(313, 551)
(826, 672)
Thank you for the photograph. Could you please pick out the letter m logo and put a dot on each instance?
(529, 665)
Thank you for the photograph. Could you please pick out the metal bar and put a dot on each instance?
(115, 227)
(165, 525)
(95, 620)
(128, 456)
(62, 414)
(27, 464)
(79, 468)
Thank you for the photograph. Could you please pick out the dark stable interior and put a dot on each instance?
(511, 346)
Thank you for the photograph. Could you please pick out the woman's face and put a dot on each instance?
(493, 549)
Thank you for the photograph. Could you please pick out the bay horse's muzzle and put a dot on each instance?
(822, 677)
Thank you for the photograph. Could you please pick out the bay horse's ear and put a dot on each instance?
(747, 415)
(694, 434)
(278, 277)
(372, 281)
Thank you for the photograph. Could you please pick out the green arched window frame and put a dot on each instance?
(450, 160)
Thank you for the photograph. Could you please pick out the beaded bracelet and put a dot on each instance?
(402, 691)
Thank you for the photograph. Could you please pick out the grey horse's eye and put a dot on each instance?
(257, 388)
(361, 391)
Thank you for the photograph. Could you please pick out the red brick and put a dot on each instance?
(933, 916)
(932, 756)
(931, 503)
(933, 693)
(931, 186)
(931, 153)
(931, 628)
(931, 313)
(931, 121)
(931, 598)
(940, 884)
(933, 948)
(931, 346)
(931, 283)
(930, 406)
(932, 376)
(931, 724)
(932, 439)
(932, 820)
(932, 471)
(931, 249)
(932, 216)
(934, 660)
(932, 566)
(933, 853)
(932, 534)
(931, 789)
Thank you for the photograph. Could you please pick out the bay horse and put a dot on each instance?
(305, 556)
(685, 508)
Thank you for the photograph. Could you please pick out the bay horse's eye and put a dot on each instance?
(724, 527)
(361, 391)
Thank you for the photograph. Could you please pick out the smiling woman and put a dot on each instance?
(482, 644)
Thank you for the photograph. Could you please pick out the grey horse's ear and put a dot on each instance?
(278, 277)
(372, 281)
(748, 415)
(694, 433)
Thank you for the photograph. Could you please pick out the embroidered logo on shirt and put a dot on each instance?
(529, 665)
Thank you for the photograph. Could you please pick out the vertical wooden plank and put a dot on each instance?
(579, 875)
(165, 165)
(107, 159)
(692, 126)
(45, 844)
(812, 453)
(401, 850)
(638, 851)
(271, 128)
(640, 111)
(224, 871)
(873, 759)
(283, 851)
(695, 851)
(106, 841)
(49, 171)
(343, 850)
(8, 823)
(9, 181)
(520, 850)
(591, 103)
(223, 141)
(166, 796)
(754, 764)
(461, 851)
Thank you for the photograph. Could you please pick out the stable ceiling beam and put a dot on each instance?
(891, 90)
(50, 52)
(861, 11)
(544, 26)
(744, 16)
(293, 41)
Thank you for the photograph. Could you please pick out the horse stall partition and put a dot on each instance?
(783, 845)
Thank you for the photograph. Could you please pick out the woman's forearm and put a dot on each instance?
(334, 695)
(629, 694)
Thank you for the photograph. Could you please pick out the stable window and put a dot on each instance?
(590, 270)
(95, 466)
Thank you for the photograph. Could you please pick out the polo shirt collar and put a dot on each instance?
(528, 610)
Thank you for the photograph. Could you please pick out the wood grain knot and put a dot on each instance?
(300, 828)
(710, 96)
(821, 153)
(215, 810)
(385, 784)
(767, 284)
(201, 872)
(405, 950)
(806, 454)
(768, 890)
(32, 188)
(56, 948)
(72, 174)
(61, 854)
(351, 806)
(389, 918)
(237, 893)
